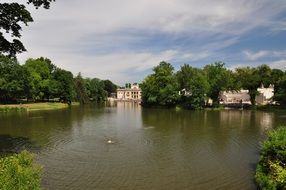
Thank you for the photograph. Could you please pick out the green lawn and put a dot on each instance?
(35, 106)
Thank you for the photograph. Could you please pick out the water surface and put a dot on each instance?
(127, 147)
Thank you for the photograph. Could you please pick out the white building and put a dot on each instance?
(235, 97)
(129, 94)
(265, 95)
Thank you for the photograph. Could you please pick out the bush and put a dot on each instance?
(19, 172)
(271, 169)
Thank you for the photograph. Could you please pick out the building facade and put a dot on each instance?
(235, 97)
(264, 96)
(129, 94)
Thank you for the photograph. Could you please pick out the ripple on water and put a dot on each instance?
(152, 149)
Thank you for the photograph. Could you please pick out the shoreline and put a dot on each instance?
(35, 106)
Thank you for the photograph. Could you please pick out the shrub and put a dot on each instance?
(19, 172)
(271, 168)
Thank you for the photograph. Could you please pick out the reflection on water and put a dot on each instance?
(123, 146)
(9, 145)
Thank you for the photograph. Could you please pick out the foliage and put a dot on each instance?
(80, 89)
(40, 78)
(265, 74)
(65, 85)
(248, 79)
(128, 85)
(95, 89)
(193, 81)
(280, 94)
(14, 80)
(197, 85)
(160, 88)
(219, 79)
(12, 16)
(109, 87)
(277, 76)
(19, 172)
(271, 169)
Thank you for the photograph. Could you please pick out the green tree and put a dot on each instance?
(265, 74)
(12, 16)
(14, 80)
(277, 76)
(65, 85)
(248, 79)
(184, 77)
(280, 94)
(109, 87)
(128, 85)
(193, 81)
(219, 79)
(95, 88)
(40, 76)
(160, 88)
(80, 89)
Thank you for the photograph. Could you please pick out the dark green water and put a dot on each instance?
(150, 149)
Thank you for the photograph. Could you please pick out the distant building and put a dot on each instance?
(129, 94)
(234, 97)
(265, 95)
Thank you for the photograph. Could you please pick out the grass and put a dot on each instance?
(19, 172)
(270, 107)
(35, 106)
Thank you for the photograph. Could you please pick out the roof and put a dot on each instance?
(129, 89)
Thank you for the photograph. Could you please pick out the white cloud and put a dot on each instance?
(118, 67)
(280, 64)
(255, 55)
(195, 56)
(88, 35)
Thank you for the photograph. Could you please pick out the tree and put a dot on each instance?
(14, 80)
(252, 78)
(280, 94)
(80, 89)
(65, 85)
(184, 77)
(265, 74)
(276, 79)
(248, 78)
(128, 85)
(40, 76)
(160, 88)
(193, 81)
(109, 87)
(95, 88)
(220, 79)
(12, 16)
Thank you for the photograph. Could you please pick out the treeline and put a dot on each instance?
(40, 80)
(196, 86)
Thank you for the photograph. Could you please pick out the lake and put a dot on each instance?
(125, 146)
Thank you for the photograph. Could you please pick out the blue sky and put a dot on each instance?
(123, 40)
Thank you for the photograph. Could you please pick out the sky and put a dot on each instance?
(123, 40)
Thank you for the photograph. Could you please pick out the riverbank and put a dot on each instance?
(35, 106)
